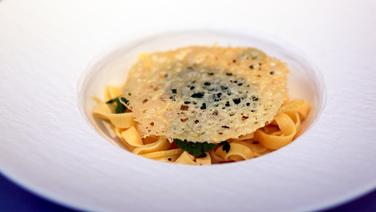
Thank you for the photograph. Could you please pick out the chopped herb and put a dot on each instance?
(196, 149)
(236, 100)
(224, 87)
(225, 146)
(120, 104)
(203, 106)
(198, 95)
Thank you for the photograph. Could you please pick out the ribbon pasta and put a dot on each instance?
(277, 134)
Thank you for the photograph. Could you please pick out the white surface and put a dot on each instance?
(47, 145)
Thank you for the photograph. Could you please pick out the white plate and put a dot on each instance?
(49, 147)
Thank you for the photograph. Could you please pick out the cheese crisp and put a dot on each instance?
(205, 94)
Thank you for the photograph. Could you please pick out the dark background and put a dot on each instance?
(15, 198)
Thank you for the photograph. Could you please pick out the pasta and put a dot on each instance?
(123, 124)
(280, 132)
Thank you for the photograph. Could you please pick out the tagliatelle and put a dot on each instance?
(112, 92)
(238, 151)
(159, 145)
(288, 122)
(280, 132)
(119, 120)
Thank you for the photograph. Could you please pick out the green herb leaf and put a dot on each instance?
(120, 104)
(226, 146)
(196, 149)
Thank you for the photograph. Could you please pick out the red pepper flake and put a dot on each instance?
(184, 119)
(184, 107)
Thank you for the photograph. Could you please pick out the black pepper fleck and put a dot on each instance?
(234, 61)
(173, 90)
(192, 87)
(207, 83)
(226, 127)
(271, 73)
(229, 74)
(210, 73)
(187, 102)
(251, 67)
(254, 98)
(197, 121)
(227, 104)
(248, 104)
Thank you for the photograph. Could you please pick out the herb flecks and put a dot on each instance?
(121, 104)
(225, 146)
(196, 149)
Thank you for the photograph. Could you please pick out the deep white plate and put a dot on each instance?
(48, 50)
